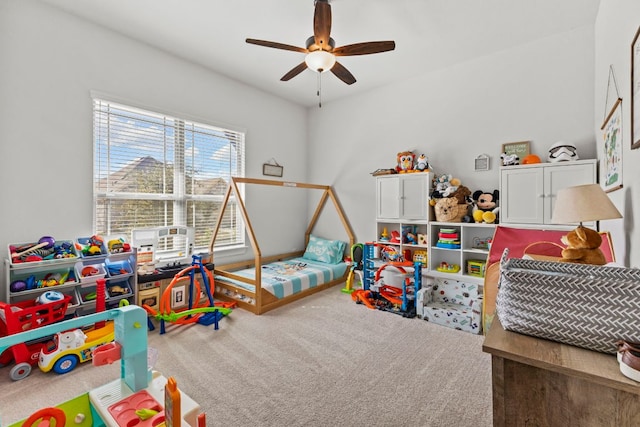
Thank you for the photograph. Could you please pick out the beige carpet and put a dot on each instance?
(320, 361)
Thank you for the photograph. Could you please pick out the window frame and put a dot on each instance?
(181, 199)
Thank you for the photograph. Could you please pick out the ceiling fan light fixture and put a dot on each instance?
(320, 61)
(321, 50)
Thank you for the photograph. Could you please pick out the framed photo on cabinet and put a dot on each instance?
(611, 169)
(635, 91)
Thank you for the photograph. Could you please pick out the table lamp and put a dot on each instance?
(579, 204)
(583, 203)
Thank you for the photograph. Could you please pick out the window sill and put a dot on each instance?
(232, 251)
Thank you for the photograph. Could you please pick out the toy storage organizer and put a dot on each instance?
(406, 224)
(26, 281)
(402, 214)
(463, 258)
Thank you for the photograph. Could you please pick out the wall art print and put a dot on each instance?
(611, 178)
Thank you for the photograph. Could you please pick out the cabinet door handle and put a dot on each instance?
(541, 195)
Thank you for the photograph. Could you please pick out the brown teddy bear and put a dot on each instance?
(583, 247)
(462, 194)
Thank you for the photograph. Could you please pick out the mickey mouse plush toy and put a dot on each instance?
(485, 206)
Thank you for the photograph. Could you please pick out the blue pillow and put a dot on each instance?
(323, 250)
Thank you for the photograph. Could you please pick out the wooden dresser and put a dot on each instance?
(542, 383)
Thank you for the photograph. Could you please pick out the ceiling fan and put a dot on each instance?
(320, 48)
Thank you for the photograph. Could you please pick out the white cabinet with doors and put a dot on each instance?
(403, 196)
(528, 192)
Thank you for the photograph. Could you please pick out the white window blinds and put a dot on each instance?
(154, 170)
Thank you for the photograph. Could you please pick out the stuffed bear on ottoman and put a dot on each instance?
(583, 247)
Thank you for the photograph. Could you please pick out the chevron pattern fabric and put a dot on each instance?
(583, 305)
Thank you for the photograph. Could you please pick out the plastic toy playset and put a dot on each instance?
(26, 316)
(194, 313)
(140, 397)
(375, 294)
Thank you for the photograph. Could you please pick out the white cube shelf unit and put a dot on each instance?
(469, 256)
(402, 205)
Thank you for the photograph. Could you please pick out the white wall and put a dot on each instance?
(616, 25)
(541, 91)
(49, 63)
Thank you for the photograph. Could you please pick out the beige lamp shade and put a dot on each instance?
(583, 203)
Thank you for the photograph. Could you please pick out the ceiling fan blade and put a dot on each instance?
(343, 74)
(276, 45)
(322, 24)
(365, 48)
(294, 71)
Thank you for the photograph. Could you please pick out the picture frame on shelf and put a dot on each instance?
(520, 149)
(635, 91)
(612, 138)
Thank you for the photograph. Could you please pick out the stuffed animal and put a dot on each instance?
(447, 209)
(509, 159)
(442, 187)
(422, 164)
(405, 161)
(485, 206)
(462, 194)
(583, 247)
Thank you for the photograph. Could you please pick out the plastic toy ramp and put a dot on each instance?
(391, 294)
(361, 296)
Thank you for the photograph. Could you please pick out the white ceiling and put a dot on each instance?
(429, 34)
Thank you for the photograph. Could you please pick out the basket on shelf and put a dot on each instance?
(447, 209)
(584, 305)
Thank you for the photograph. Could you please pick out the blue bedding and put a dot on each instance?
(284, 278)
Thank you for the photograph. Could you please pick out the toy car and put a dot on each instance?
(72, 347)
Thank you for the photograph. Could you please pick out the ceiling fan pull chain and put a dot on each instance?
(319, 93)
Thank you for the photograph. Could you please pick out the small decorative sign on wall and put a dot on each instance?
(482, 163)
(270, 169)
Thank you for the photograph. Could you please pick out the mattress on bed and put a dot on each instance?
(284, 278)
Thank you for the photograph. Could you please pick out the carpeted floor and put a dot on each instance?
(320, 361)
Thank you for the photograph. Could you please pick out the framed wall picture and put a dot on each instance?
(635, 91)
(482, 163)
(272, 170)
(611, 168)
(520, 149)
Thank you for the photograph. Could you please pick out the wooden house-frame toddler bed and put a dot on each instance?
(264, 283)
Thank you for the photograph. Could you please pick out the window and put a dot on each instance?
(154, 170)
